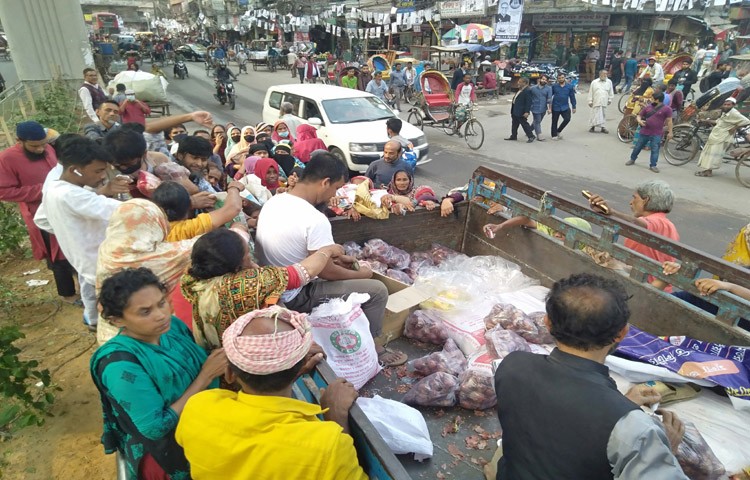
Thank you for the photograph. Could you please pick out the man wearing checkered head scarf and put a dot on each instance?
(262, 431)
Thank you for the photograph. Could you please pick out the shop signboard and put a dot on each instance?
(571, 20)
(508, 20)
(404, 6)
(614, 43)
(461, 8)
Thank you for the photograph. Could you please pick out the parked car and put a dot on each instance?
(192, 51)
(350, 122)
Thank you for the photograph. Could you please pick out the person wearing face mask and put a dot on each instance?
(235, 135)
(281, 132)
(108, 114)
(239, 151)
(282, 153)
(132, 110)
(541, 103)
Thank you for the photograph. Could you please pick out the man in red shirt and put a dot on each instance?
(132, 110)
(651, 203)
(652, 119)
(23, 168)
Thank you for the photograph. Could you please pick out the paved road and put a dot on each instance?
(708, 211)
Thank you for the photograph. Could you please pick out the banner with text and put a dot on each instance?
(508, 20)
(461, 8)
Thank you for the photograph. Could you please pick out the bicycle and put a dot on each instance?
(688, 140)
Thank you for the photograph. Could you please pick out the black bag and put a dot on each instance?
(703, 86)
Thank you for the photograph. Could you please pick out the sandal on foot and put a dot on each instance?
(392, 358)
(704, 173)
(604, 130)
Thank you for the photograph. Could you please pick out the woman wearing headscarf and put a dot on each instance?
(640, 97)
(267, 170)
(219, 142)
(307, 142)
(239, 151)
(146, 374)
(235, 135)
(136, 237)
(281, 132)
(223, 283)
(405, 196)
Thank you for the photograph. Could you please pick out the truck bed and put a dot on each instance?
(546, 260)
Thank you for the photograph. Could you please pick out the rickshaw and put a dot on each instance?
(438, 109)
(378, 63)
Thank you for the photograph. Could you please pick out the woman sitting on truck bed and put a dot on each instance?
(405, 196)
(223, 283)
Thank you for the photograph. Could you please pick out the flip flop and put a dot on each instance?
(704, 173)
(397, 358)
(672, 392)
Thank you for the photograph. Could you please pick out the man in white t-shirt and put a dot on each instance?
(77, 215)
(290, 228)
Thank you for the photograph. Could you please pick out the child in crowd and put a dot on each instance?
(77, 215)
(174, 199)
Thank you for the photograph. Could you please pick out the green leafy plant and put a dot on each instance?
(12, 229)
(24, 403)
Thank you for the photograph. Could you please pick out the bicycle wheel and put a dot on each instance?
(623, 101)
(742, 171)
(474, 134)
(683, 147)
(449, 126)
(409, 96)
(415, 118)
(626, 128)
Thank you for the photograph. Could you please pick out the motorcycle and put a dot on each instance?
(225, 93)
(180, 70)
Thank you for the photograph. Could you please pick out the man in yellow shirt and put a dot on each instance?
(261, 432)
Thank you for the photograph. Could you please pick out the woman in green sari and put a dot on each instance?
(146, 374)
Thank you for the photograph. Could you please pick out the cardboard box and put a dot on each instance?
(402, 301)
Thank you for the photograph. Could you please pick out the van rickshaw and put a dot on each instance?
(438, 109)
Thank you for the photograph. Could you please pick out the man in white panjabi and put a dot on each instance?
(720, 138)
(601, 94)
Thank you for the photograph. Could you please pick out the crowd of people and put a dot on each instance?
(198, 257)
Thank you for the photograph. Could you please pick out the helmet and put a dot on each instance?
(222, 63)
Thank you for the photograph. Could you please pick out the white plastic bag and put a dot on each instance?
(342, 329)
(402, 427)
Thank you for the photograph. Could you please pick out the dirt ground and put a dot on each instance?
(67, 446)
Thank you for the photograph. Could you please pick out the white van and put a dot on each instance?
(350, 122)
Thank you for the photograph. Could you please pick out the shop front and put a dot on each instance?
(557, 34)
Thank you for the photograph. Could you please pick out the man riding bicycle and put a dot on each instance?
(273, 56)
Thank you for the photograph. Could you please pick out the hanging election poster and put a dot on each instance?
(508, 20)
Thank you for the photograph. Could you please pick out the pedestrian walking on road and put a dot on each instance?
(541, 103)
(617, 69)
(563, 97)
(631, 69)
(572, 63)
(520, 110)
(600, 96)
(652, 120)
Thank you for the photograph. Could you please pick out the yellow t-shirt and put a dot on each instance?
(187, 229)
(228, 435)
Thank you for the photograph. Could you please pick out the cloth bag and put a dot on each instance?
(341, 328)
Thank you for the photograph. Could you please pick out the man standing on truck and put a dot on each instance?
(562, 415)
(303, 231)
